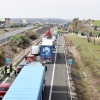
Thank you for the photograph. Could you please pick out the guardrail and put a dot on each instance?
(22, 55)
(68, 71)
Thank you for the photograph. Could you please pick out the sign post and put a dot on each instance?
(70, 61)
(7, 60)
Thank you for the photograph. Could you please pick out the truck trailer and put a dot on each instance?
(46, 50)
(28, 85)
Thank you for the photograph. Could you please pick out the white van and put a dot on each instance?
(35, 50)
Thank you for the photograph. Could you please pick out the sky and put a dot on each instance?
(65, 9)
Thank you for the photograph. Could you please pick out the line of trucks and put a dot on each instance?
(30, 82)
(45, 47)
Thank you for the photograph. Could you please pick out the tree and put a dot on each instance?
(95, 27)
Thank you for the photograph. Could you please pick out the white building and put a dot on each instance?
(23, 21)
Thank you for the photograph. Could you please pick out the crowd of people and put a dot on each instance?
(8, 69)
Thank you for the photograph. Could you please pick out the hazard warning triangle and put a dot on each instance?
(70, 43)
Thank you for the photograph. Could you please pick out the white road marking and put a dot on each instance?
(7, 78)
(53, 73)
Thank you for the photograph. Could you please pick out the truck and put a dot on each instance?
(46, 51)
(28, 85)
(48, 33)
(35, 50)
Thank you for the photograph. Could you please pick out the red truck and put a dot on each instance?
(48, 33)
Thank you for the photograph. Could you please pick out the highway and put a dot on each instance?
(56, 78)
(5, 36)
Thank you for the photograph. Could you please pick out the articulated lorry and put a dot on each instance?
(29, 84)
(46, 50)
(48, 34)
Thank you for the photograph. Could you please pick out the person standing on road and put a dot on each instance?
(14, 68)
(2, 71)
(10, 67)
(8, 72)
(43, 64)
(5, 69)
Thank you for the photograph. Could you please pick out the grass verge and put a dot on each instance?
(90, 55)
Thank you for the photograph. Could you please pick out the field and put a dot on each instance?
(96, 22)
(90, 61)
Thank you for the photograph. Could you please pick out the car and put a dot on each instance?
(19, 67)
(3, 89)
(30, 58)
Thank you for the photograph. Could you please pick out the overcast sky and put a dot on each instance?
(65, 9)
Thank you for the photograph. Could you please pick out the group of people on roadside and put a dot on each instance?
(7, 70)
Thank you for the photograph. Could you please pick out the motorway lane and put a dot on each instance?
(48, 78)
(59, 90)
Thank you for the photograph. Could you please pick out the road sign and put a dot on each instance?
(7, 60)
(70, 43)
(69, 61)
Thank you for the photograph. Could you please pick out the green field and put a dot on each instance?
(89, 52)
(90, 55)
(96, 22)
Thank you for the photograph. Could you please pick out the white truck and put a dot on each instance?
(35, 50)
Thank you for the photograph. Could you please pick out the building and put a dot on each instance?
(7, 21)
(23, 21)
(2, 20)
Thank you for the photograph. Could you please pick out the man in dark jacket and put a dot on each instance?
(5, 69)
(10, 67)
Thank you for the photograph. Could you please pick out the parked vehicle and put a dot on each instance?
(3, 89)
(28, 85)
(46, 50)
(35, 50)
(19, 67)
(30, 58)
(48, 33)
(53, 38)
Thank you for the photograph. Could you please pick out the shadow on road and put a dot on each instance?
(58, 93)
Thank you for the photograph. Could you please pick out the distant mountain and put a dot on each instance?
(43, 20)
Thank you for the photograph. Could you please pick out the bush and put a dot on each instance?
(18, 39)
(30, 34)
(1, 52)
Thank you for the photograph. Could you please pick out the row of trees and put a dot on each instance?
(78, 26)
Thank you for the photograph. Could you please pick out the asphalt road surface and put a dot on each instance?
(56, 79)
(5, 36)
